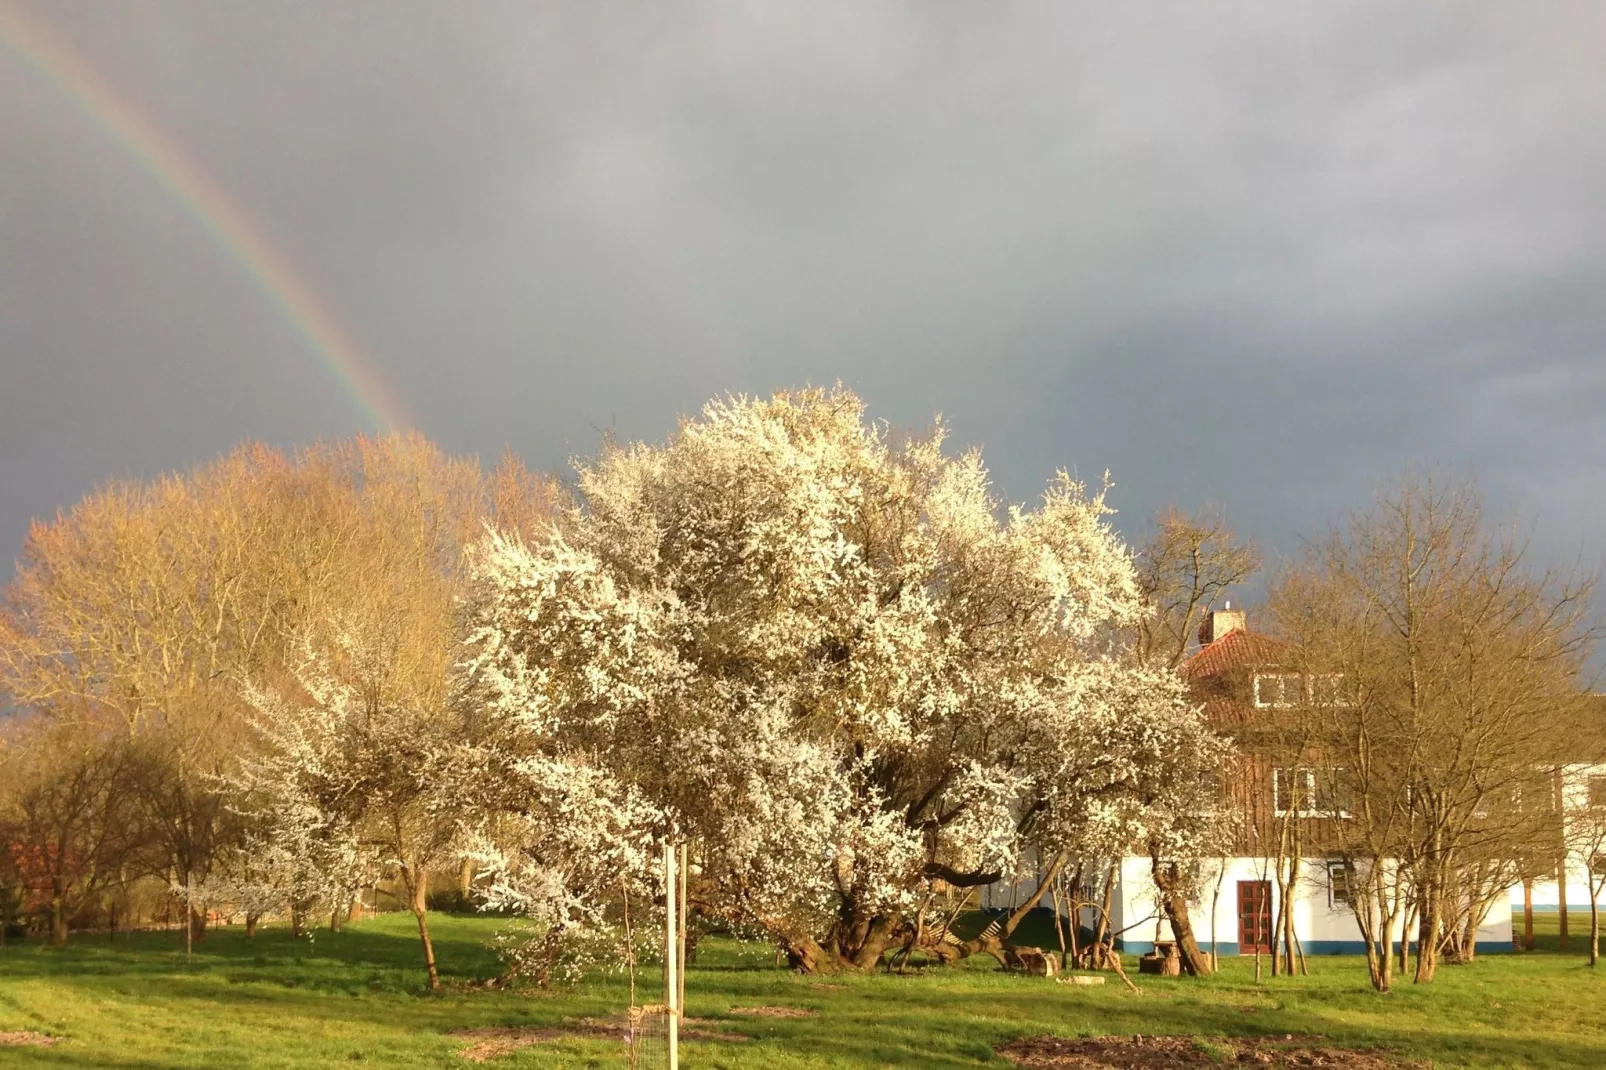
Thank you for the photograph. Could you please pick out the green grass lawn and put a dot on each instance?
(355, 998)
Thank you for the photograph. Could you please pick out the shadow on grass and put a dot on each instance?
(358, 996)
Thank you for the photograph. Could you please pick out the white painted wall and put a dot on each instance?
(1321, 925)
(1576, 811)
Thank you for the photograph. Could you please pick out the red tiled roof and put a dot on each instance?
(1236, 649)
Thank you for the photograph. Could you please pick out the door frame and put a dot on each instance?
(1259, 897)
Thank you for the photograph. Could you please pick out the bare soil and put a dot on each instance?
(491, 1042)
(26, 1039)
(773, 1012)
(1149, 1053)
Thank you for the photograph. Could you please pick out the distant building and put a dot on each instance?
(1242, 680)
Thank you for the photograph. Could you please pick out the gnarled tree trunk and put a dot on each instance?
(58, 923)
(1169, 881)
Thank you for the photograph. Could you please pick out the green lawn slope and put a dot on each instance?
(355, 998)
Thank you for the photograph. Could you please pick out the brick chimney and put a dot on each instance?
(1221, 622)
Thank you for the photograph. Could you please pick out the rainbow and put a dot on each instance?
(216, 214)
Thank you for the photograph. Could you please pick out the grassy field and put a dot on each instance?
(355, 998)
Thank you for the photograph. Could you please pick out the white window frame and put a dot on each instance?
(1304, 786)
(1304, 689)
(1306, 802)
(1282, 679)
(1339, 700)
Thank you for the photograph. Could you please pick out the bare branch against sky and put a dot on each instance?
(1260, 255)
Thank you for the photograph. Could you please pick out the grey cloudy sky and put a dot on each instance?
(1263, 255)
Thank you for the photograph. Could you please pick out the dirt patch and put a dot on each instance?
(1150, 1053)
(26, 1039)
(491, 1042)
(773, 1012)
(828, 985)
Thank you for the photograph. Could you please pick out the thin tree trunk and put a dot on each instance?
(1405, 939)
(1561, 900)
(1427, 941)
(1059, 927)
(1469, 934)
(417, 889)
(1594, 923)
(1527, 914)
(1215, 909)
(1102, 929)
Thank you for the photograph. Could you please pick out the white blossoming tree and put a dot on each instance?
(834, 663)
(344, 784)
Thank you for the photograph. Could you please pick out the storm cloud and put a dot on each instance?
(1261, 255)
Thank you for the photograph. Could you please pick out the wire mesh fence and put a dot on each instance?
(647, 1038)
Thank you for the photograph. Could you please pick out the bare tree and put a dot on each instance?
(1190, 562)
(1584, 817)
(62, 815)
(1447, 667)
(145, 604)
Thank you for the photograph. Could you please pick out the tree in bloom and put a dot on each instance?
(829, 658)
(343, 782)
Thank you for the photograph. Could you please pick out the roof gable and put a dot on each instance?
(1238, 649)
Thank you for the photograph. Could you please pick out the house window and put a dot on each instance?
(1306, 792)
(1279, 690)
(1291, 789)
(1338, 884)
(1330, 792)
(1597, 791)
(1328, 690)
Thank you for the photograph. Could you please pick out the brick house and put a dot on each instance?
(1243, 682)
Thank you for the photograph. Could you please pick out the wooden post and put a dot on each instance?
(671, 981)
(190, 926)
(680, 950)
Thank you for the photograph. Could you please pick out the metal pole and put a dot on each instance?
(671, 982)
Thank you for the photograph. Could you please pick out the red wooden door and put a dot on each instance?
(1254, 917)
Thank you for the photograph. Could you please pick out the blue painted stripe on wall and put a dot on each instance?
(1312, 947)
(1143, 947)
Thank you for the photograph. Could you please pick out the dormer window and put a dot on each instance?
(1328, 690)
(1283, 691)
(1279, 690)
